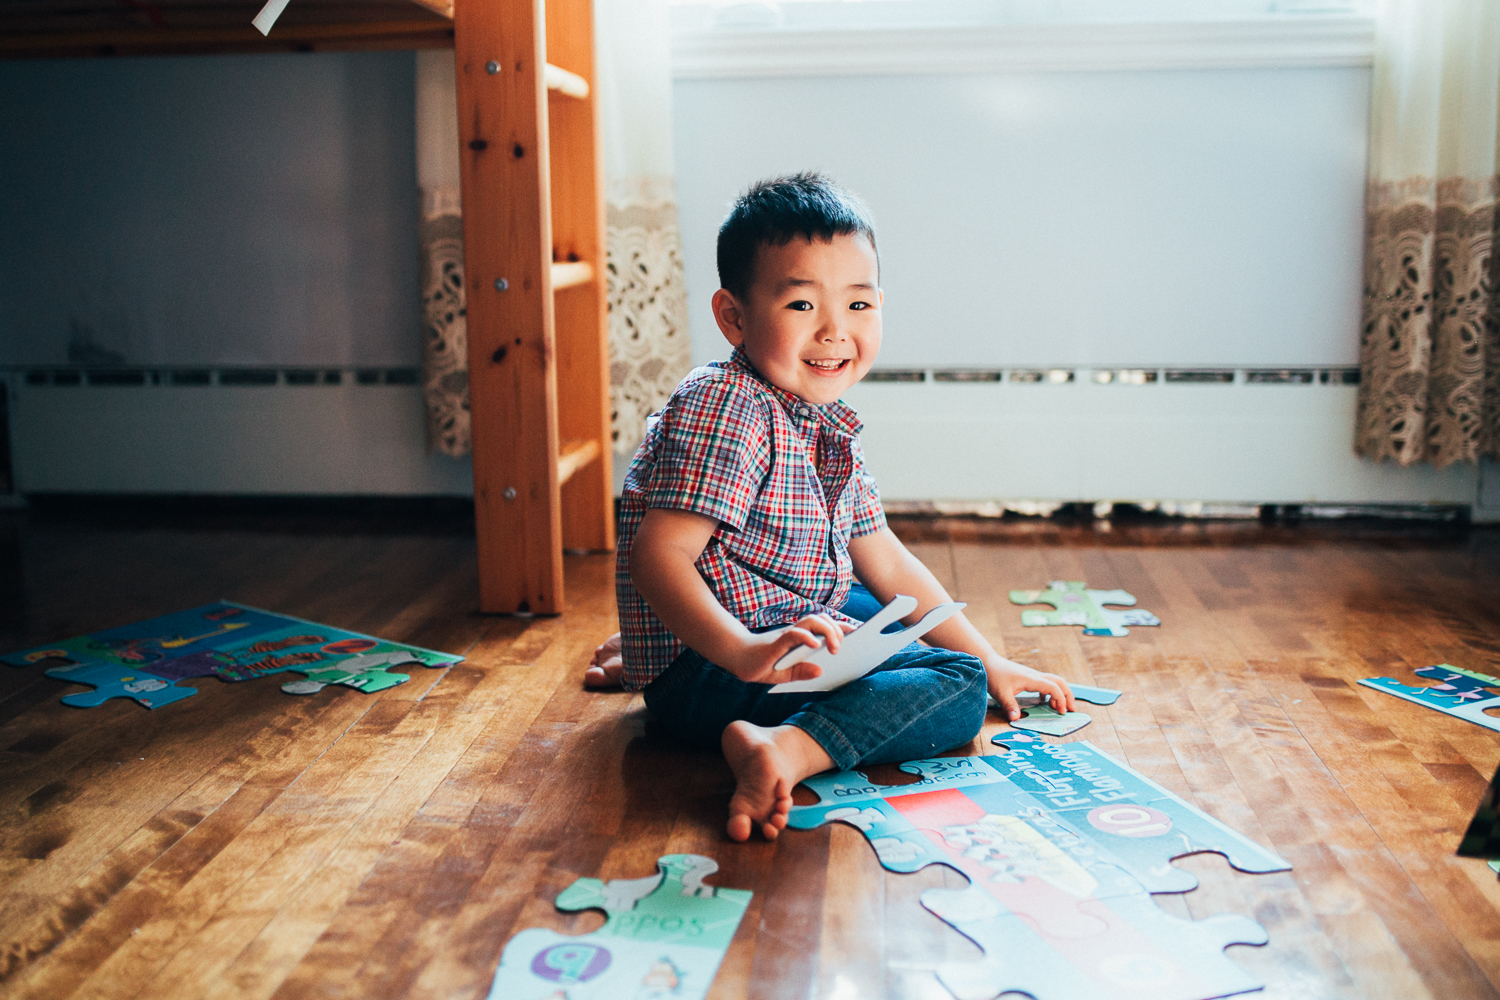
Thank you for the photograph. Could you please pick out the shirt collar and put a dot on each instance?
(837, 416)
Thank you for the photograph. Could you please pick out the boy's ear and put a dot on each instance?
(730, 316)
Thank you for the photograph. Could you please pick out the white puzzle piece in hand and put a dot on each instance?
(864, 649)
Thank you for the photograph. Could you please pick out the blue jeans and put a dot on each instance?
(916, 704)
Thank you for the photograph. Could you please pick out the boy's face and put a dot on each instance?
(810, 322)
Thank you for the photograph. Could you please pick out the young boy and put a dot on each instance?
(749, 526)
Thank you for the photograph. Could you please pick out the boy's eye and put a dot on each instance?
(801, 305)
(859, 305)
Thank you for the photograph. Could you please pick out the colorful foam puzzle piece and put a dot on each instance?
(664, 937)
(864, 649)
(1074, 604)
(1062, 846)
(1043, 719)
(110, 680)
(1083, 692)
(1460, 693)
(367, 672)
(226, 640)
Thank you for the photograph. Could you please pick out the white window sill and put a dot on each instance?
(971, 36)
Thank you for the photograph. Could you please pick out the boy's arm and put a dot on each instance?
(886, 568)
(662, 566)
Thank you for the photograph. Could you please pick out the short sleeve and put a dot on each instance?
(713, 452)
(869, 515)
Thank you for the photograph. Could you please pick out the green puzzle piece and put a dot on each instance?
(366, 672)
(1074, 604)
(665, 937)
(672, 905)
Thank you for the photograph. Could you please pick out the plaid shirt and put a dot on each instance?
(733, 447)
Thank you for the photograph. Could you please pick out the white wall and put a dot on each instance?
(1132, 218)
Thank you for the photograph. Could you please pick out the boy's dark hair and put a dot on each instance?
(773, 212)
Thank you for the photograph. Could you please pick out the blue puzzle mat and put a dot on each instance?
(233, 642)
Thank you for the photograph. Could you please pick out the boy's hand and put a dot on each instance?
(758, 657)
(1006, 677)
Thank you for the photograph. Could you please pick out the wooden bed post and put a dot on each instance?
(500, 54)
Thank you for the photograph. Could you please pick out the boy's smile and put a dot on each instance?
(810, 323)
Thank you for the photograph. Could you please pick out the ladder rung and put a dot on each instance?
(575, 454)
(563, 82)
(571, 274)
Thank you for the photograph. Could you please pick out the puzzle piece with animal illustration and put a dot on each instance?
(110, 680)
(225, 640)
(1074, 604)
(1062, 846)
(1463, 694)
(664, 938)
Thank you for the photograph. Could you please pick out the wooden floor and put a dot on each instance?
(246, 843)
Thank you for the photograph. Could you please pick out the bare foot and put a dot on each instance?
(767, 764)
(606, 668)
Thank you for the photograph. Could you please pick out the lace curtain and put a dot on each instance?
(649, 347)
(1430, 343)
(445, 331)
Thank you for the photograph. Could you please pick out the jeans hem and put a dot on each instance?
(829, 737)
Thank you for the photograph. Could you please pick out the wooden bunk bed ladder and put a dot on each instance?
(533, 195)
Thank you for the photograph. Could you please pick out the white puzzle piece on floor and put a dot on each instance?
(864, 649)
(664, 938)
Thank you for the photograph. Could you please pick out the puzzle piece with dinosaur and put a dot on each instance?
(1074, 604)
(1463, 694)
(1062, 846)
(225, 640)
(664, 937)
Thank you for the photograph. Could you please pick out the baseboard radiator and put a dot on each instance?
(967, 439)
(1225, 437)
(242, 431)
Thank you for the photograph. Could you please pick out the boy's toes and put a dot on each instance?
(604, 675)
(739, 827)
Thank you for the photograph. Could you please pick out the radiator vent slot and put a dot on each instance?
(1053, 376)
(968, 375)
(1279, 376)
(1199, 375)
(896, 375)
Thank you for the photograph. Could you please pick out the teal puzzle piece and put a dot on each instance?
(1042, 719)
(1062, 846)
(1074, 604)
(1463, 694)
(664, 938)
(110, 680)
